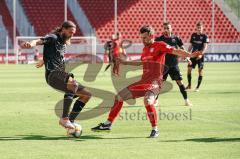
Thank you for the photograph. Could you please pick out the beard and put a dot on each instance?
(166, 33)
(66, 38)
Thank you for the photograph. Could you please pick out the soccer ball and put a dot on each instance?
(77, 132)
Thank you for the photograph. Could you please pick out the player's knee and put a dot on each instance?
(149, 99)
(68, 96)
(118, 97)
(179, 82)
(87, 95)
(72, 86)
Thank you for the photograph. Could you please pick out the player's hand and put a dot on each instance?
(196, 54)
(199, 57)
(189, 62)
(26, 45)
(39, 64)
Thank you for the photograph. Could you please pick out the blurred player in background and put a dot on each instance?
(152, 60)
(114, 49)
(199, 42)
(36, 55)
(54, 46)
(171, 60)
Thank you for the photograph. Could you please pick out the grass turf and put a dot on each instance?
(210, 129)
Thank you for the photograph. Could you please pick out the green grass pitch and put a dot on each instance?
(210, 129)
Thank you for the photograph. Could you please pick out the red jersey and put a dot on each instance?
(153, 58)
(116, 47)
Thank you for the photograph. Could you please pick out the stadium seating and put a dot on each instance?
(131, 15)
(45, 16)
(185, 14)
(182, 14)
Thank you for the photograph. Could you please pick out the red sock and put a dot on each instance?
(116, 108)
(152, 114)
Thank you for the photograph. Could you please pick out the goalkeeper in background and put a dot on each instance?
(114, 49)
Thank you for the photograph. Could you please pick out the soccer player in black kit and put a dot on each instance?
(54, 46)
(171, 61)
(199, 42)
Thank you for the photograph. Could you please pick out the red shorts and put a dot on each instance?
(140, 88)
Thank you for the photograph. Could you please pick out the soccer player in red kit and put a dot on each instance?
(152, 60)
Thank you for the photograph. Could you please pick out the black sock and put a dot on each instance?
(78, 106)
(183, 91)
(67, 101)
(189, 77)
(199, 81)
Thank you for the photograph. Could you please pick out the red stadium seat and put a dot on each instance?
(46, 15)
(132, 14)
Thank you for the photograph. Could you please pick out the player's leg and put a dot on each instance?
(183, 92)
(57, 80)
(189, 77)
(189, 73)
(67, 101)
(84, 96)
(115, 69)
(176, 75)
(123, 95)
(200, 75)
(115, 66)
(149, 102)
(64, 82)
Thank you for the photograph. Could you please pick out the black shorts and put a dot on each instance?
(195, 62)
(174, 73)
(59, 79)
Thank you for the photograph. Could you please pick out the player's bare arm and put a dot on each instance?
(30, 44)
(39, 64)
(205, 45)
(190, 48)
(33, 43)
(132, 62)
(182, 53)
(187, 58)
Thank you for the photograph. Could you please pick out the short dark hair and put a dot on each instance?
(166, 23)
(199, 24)
(147, 29)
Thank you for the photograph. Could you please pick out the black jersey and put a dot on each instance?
(198, 40)
(53, 53)
(175, 41)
